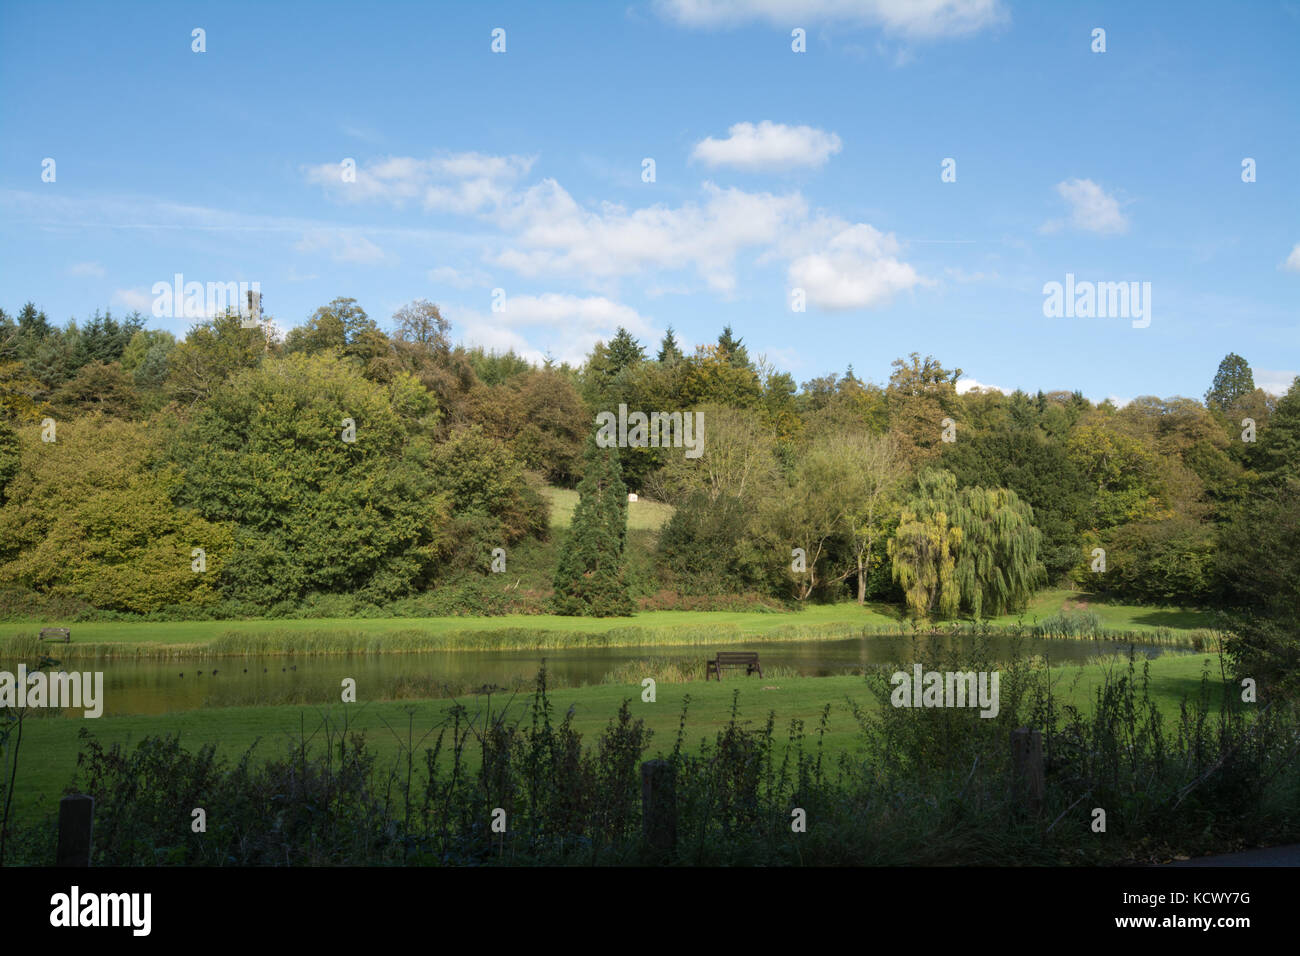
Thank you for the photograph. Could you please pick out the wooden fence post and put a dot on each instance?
(1028, 784)
(76, 819)
(659, 805)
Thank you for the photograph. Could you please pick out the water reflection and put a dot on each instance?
(152, 687)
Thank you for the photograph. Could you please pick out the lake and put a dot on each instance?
(153, 687)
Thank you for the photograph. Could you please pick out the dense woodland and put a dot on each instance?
(231, 441)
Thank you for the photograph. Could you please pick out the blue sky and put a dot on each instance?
(774, 171)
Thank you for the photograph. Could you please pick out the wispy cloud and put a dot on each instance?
(460, 183)
(1292, 263)
(915, 19)
(134, 299)
(459, 278)
(1092, 209)
(341, 245)
(92, 269)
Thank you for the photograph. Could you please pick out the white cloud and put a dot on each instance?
(555, 236)
(917, 19)
(1274, 381)
(342, 245)
(134, 299)
(92, 269)
(858, 268)
(965, 385)
(1091, 208)
(461, 183)
(1292, 263)
(768, 146)
(545, 233)
(566, 325)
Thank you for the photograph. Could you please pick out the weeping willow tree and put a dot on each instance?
(924, 548)
(975, 549)
(997, 563)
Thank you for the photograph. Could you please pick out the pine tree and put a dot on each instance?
(589, 576)
(624, 351)
(670, 353)
(1232, 382)
(732, 349)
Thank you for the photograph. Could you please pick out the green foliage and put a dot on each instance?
(1279, 451)
(589, 578)
(145, 357)
(540, 416)
(493, 368)
(10, 458)
(708, 548)
(91, 516)
(1258, 562)
(213, 351)
(1040, 472)
(924, 548)
(1165, 562)
(312, 511)
(480, 476)
(1123, 476)
(976, 549)
(1232, 382)
(921, 394)
(97, 387)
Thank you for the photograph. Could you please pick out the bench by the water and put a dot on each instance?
(63, 634)
(745, 659)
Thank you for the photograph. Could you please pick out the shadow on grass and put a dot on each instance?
(1169, 617)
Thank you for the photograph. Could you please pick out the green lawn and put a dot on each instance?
(530, 630)
(1119, 617)
(198, 632)
(50, 744)
(641, 515)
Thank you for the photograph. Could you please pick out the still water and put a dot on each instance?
(153, 687)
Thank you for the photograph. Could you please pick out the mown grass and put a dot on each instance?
(375, 635)
(642, 515)
(50, 746)
(181, 639)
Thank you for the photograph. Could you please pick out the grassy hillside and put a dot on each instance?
(641, 515)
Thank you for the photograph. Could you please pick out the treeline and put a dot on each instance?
(380, 465)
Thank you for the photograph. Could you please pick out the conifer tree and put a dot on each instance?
(670, 353)
(589, 576)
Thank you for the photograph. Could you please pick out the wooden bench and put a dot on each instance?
(745, 659)
(63, 634)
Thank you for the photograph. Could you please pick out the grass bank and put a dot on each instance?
(96, 640)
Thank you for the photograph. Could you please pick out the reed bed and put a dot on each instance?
(283, 642)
